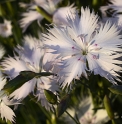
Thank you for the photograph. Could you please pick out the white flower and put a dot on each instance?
(86, 114)
(114, 10)
(32, 15)
(5, 111)
(6, 29)
(28, 18)
(30, 59)
(85, 48)
(116, 5)
(61, 14)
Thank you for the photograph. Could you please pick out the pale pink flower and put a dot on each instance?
(86, 114)
(6, 28)
(61, 14)
(32, 15)
(30, 59)
(86, 48)
(5, 111)
(114, 9)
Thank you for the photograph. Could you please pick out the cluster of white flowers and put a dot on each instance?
(75, 46)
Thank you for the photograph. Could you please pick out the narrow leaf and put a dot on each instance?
(108, 107)
(18, 81)
(116, 89)
(62, 106)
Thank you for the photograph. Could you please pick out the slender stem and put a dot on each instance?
(0, 10)
(10, 8)
(113, 122)
(73, 118)
(114, 98)
(43, 110)
(44, 13)
(47, 114)
(8, 122)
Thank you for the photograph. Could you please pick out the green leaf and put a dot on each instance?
(23, 77)
(45, 74)
(116, 89)
(113, 122)
(18, 81)
(51, 97)
(62, 106)
(108, 107)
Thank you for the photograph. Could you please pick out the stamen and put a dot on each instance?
(82, 37)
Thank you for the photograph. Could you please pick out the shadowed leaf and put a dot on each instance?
(62, 106)
(108, 107)
(116, 89)
(50, 96)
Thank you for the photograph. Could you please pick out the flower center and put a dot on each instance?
(84, 44)
(4, 28)
(84, 52)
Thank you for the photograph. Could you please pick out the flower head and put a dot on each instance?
(5, 111)
(114, 9)
(85, 47)
(86, 114)
(116, 5)
(32, 15)
(60, 15)
(30, 58)
(6, 29)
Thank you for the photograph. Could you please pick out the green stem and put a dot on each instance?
(44, 13)
(114, 98)
(113, 122)
(8, 122)
(10, 8)
(43, 110)
(0, 10)
(73, 118)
